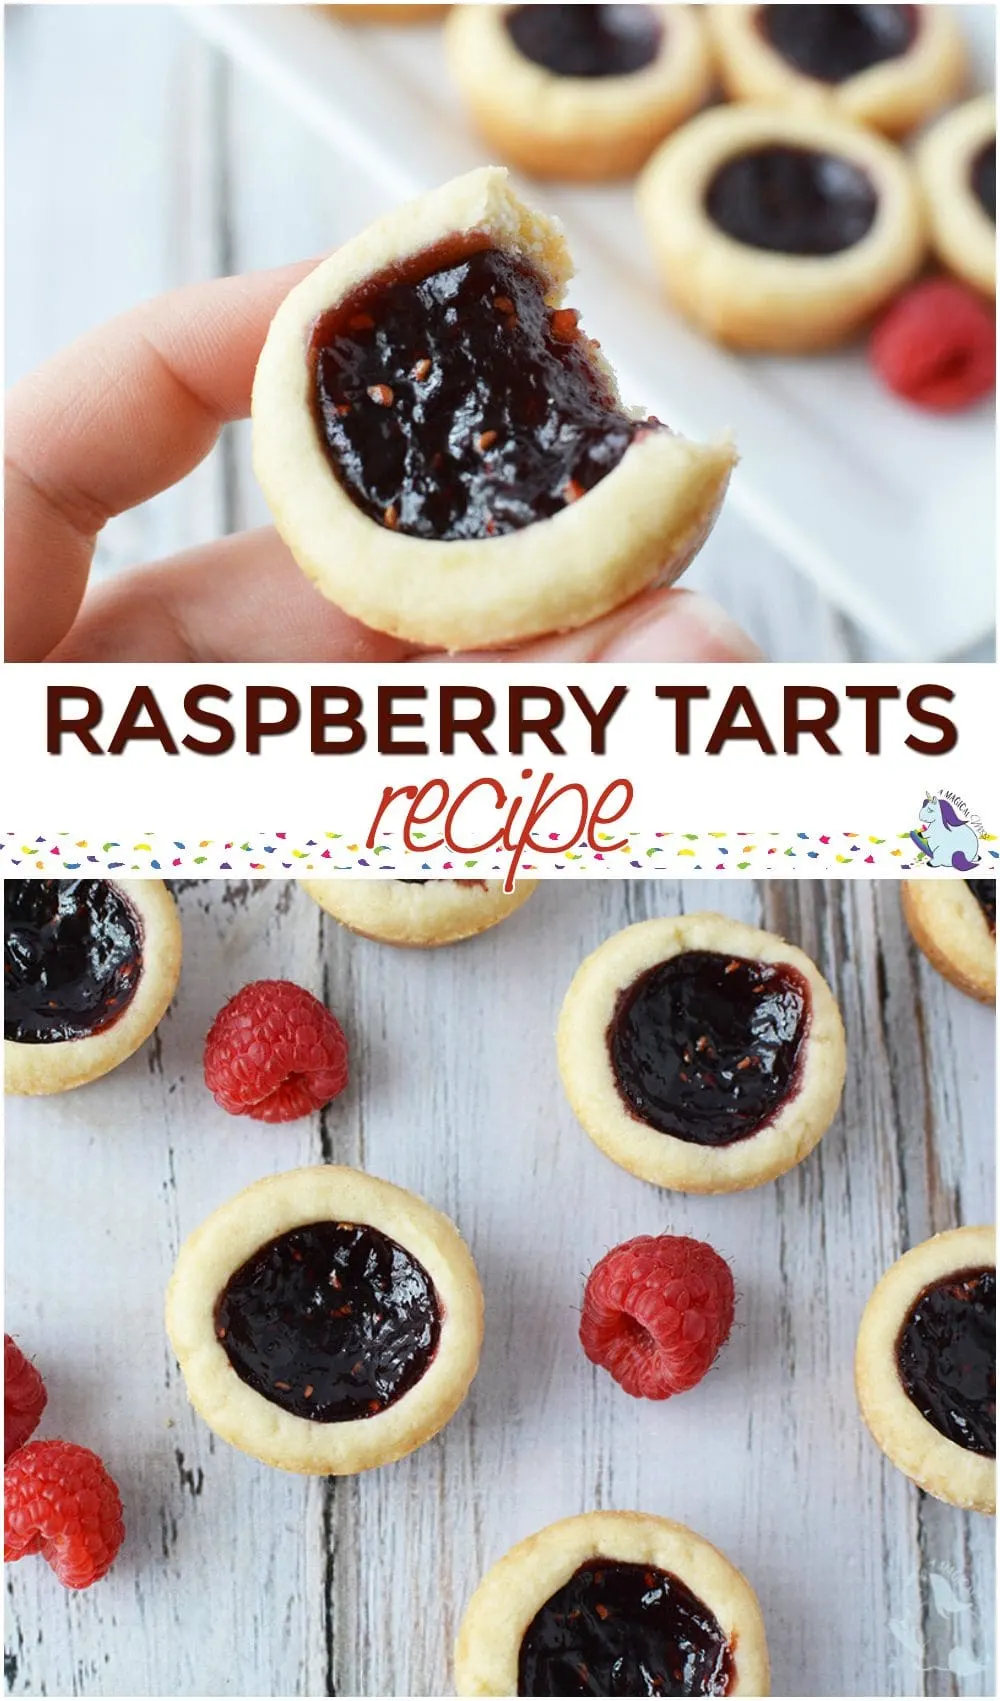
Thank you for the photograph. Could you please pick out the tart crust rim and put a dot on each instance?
(939, 1466)
(640, 524)
(57, 1067)
(948, 927)
(962, 234)
(663, 1159)
(519, 1583)
(220, 1245)
(443, 912)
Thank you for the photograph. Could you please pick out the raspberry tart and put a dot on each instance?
(418, 912)
(954, 922)
(445, 452)
(90, 967)
(956, 164)
(326, 1322)
(889, 67)
(613, 1603)
(582, 92)
(701, 1054)
(925, 1366)
(780, 231)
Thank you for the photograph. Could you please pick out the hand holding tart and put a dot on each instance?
(444, 451)
(90, 967)
(701, 1054)
(326, 1322)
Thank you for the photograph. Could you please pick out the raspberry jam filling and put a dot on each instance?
(833, 43)
(624, 1629)
(586, 41)
(331, 1321)
(946, 1355)
(985, 894)
(983, 177)
(454, 403)
(708, 1047)
(72, 958)
(792, 201)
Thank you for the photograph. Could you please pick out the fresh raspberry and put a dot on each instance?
(275, 1053)
(936, 346)
(656, 1311)
(59, 1501)
(24, 1397)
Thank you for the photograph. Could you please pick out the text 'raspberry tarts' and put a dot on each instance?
(956, 163)
(954, 922)
(780, 231)
(443, 449)
(581, 92)
(326, 1322)
(418, 912)
(925, 1366)
(701, 1054)
(613, 1603)
(89, 968)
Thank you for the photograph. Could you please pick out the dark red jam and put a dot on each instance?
(455, 404)
(985, 894)
(624, 1629)
(792, 201)
(707, 1047)
(947, 1358)
(983, 176)
(331, 1321)
(586, 41)
(72, 958)
(833, 43)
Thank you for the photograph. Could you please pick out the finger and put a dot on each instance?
(242, 599)
(656, 626)
(123, 413)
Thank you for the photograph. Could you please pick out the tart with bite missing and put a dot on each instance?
(613, 1603)
(954, 923)
(89, 969)
(701, 1054)
(925, 1366)
(779, 231)
(889, 67)
(326, 1322)
(418, 912)
(956, 161)
(443, 449)
(579, 92)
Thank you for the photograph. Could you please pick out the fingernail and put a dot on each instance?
(685, 627)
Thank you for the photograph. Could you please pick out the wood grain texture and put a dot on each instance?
(139, 159)
(237, 1579)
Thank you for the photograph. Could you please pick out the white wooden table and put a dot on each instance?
(236, 1579)
(139, 159)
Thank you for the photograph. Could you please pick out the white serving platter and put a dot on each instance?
(890, 511)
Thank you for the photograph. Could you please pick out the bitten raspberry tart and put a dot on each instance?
(954, 922)
(582, 92)
(889, 67)
(89, 969)
(780, 231)
(326, 1322)
(443, 449)
(956, 163)
(418, 912)
(701, 1054)
(613, 1603)
(925, 1366)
